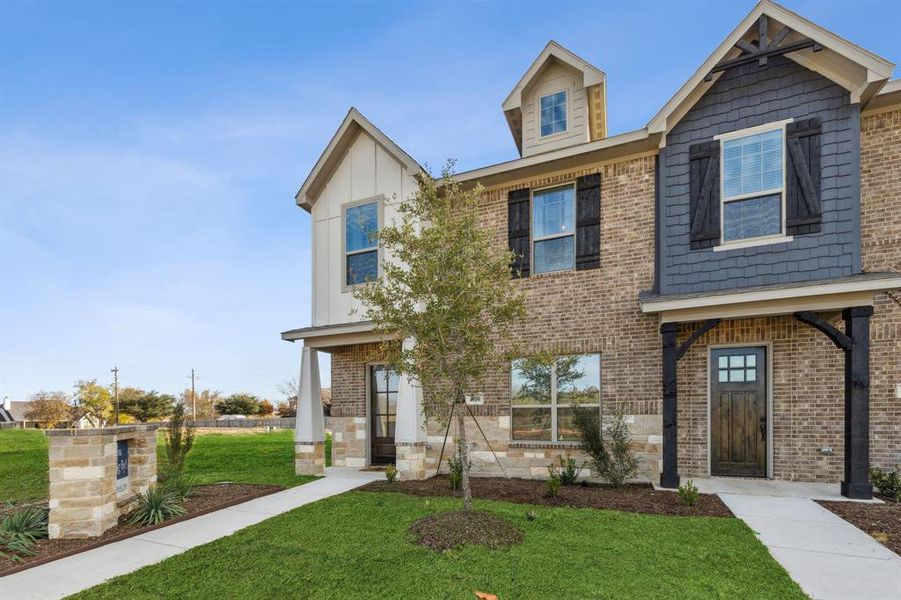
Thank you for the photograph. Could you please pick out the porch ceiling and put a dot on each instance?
(777, 299)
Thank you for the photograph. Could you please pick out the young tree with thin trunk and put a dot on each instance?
(446, 283)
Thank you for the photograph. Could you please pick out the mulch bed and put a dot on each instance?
(881, 521)
(637, 498)
(448, 530)
(206, 498)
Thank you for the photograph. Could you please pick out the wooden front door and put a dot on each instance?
(738, 402)
(383, 383)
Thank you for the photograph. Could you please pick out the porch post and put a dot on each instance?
(309, 430)
(410, 430)
(856, 483)
(669, 477)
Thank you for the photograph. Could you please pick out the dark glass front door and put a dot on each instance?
(383, 383)
(738, 426)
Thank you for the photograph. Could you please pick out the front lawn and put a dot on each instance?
(23, 465)
(357, 546)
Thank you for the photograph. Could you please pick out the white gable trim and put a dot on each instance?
(352, 124)
(874, 70)
(591, 74)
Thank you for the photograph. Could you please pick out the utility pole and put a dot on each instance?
(193, 397)
(115, 372)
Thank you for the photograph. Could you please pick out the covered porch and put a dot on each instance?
(764, 384)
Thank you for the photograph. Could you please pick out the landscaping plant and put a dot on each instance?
(179, 486)
(553, 481)
(446, 286)
(390, 473)
(688, 493)
(887, 483)
(179, 441)
(155, 506)
(19, 531)
(568, 471)
(455, 467)
(609, 445)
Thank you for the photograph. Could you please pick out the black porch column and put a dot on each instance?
(856, 483)
(669, 478)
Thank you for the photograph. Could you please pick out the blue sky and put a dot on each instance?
(149, 154)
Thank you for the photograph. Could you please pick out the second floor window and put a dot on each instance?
(361, 253)
(753, 182)
(553, 229)
(544, 393)
(553, 113)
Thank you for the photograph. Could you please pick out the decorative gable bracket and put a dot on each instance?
(763, 48)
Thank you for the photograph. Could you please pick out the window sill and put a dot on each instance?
(539, 444)
(777, 239)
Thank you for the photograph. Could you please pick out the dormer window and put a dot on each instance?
(361, 252)
(553, 113)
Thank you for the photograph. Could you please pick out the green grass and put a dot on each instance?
(23, 465)
(356, 546)
(242, 457)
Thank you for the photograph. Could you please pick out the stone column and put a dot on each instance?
(410, 429)
(309, 434)
(142, 467)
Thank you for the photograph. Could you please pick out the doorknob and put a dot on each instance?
(763, 428)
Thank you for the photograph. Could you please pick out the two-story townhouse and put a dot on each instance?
(728, 275)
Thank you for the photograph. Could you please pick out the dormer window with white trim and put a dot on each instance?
(553, 113)
(361, 251)
(753, 183)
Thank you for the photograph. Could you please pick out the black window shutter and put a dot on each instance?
(588, 222)
(803, 210)
(518, 230)
(704, 194)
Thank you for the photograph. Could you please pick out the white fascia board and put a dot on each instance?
(591, 75)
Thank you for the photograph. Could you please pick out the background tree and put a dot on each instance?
(205, 401)
(239, 404)
(49, 409)
(449, 287)
(266, 408)
(286, 409)
(93, 401)
(146, 406)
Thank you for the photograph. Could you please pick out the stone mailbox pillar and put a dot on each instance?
(94, 473)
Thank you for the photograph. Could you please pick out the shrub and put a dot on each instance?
(390, 473)
(553, 481)
(568, 471)
(688, 493)
(19, 531)
(610, 447)
(155, 506)
(455, 466)
(179, 486)
(179, 441)
(887, 483)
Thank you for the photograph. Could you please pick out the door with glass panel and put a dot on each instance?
(738, 412)
(383, 384)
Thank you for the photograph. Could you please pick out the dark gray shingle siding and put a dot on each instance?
(745, 97)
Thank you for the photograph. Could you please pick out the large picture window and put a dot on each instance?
(753, 166)
(361, 254)
(543, 394)
(553, 228)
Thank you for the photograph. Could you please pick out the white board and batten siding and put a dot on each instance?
(554, 78)
(366, 170)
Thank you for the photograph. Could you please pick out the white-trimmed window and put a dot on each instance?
(553, 229)
(553, 113)
(543, 394)
(361, 251)
(753, 183)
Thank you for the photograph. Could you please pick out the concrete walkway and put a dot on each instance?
(826, 555)
(81, 571)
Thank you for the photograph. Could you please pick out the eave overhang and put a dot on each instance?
(331, 336)
(769, 300)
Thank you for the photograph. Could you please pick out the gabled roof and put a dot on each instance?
(512, 105)
(347, 132)
(858, 70)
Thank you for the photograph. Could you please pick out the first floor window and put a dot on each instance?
(553, 229)
(753, 167)
(361, 254)
(545, 392)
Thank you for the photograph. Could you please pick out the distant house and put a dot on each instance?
(14, 411)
